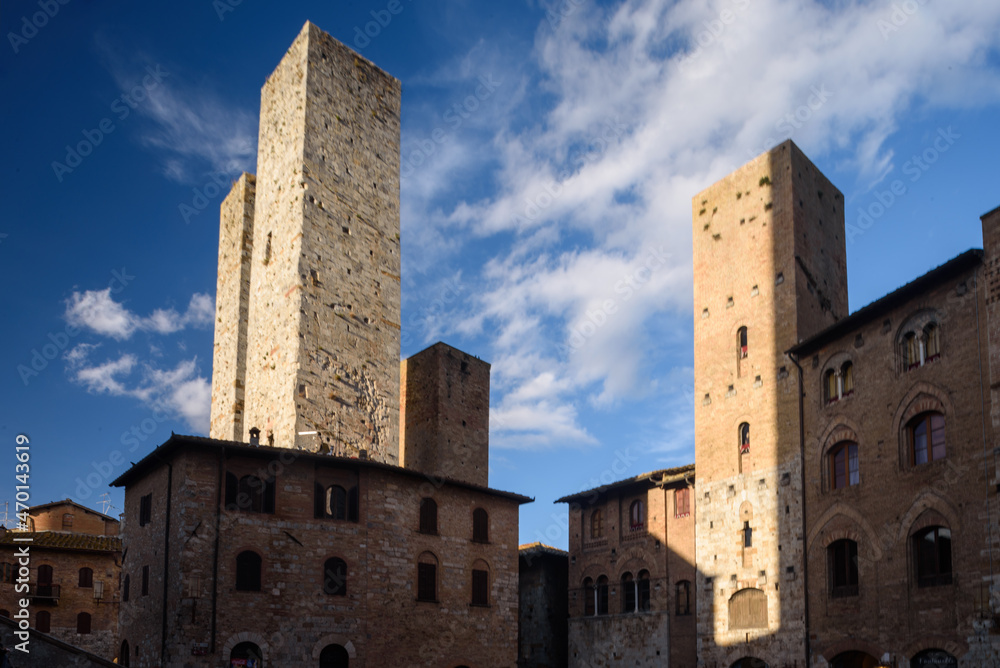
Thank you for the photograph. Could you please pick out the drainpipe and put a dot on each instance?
(802, 467)
(166, 560)
(986, 459)
(215, 550)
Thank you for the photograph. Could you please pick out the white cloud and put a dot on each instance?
(648, 104)
(97, 311)
(180, 391)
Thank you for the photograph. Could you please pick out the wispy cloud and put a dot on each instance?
(180, 391)
(642, 109)
(97, 311)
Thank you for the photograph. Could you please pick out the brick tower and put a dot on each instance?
(769, 270)
(319, 278)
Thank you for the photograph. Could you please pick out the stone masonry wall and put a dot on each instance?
(323, 360)
(445, 414)
(769, 256)
(232, 310)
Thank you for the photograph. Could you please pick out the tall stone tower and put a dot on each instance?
(320, 265)
(769, 270)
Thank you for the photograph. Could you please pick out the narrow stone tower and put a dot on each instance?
(323, 302)
(769, 270)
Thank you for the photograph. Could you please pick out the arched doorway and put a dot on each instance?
(934, 658)
(334, 656)
(246, 655)
(854, 660)
(749, 662)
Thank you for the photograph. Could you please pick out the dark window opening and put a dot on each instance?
(43, 621)
(602, 595)
(932, 548)
(744, 434)
(480, 526)
(83, 623)
(86, 577)
(642, 591)
(426, 582)
(628, 593)
(842, 557)
(844, 466)
(927, 438)
(480, 587)
(248, 567)
(428, 516)
(145, 580)
(683, 596)
(145, 510)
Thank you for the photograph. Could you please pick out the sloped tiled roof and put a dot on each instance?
(58, 540)
(70, 502)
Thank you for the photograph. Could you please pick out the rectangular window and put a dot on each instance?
(145, 510)
(682, 502)
(480, 588)
(145, 580)
(426, 582)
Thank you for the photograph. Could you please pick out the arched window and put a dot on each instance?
(926, 435)
(123, 654)
(637, 515)
(125, 588)
(628, 593)
(589, 598)
(43, 621)
(932, 556)
(336, 502)
(602, 595)
(7, 572)
(246, 652)
(249, 494)
(86, 577)
(480, 583)
(335, 577)
(744, 436)
(844, 467)
(934, 658)
(911, 351)
(480, 526)
(748, 610)
(597, 525)
(847, 379)
(830, 393)
(83, 623)
(334, 656)
(642, 591)
(747, 535)
(427, 577)
(932, 335)
(842, 562)
(683, 598)
(428, 516)
(248, 566)
(743, 349)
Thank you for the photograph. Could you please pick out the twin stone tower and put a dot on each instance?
(307, 331)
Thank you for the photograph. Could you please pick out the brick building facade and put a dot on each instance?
(631, 572)
(542, 621)
(75, 566)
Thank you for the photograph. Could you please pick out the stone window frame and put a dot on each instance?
(838, 380)
(831, 456)
(919, 340)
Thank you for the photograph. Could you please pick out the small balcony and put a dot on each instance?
(44, 594)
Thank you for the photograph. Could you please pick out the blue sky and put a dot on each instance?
(525, 220)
